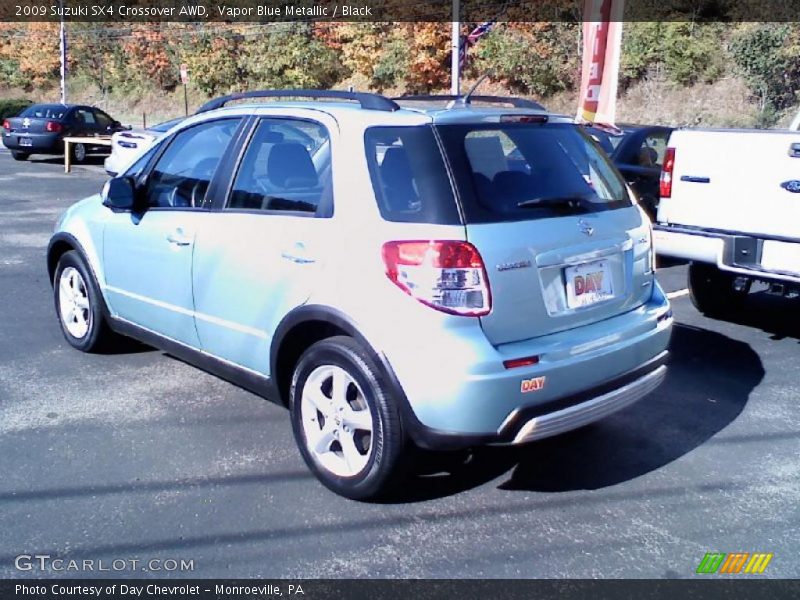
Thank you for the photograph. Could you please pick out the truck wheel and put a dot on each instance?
(712, 291)
(16, 155)
(345, 421)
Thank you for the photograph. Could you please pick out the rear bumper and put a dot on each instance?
(733, 252)
(42, 143)
(527, 425)
(585, 374)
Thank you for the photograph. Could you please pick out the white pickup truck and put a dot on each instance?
(730, 203)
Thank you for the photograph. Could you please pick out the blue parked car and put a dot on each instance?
(439, 277)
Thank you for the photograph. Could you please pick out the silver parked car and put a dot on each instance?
(441, 277)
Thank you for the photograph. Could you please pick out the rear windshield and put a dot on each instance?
(44, 111)
(523, 171)
(409, 175)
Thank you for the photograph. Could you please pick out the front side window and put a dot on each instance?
(522, 171)
(103, 119)
(286, 167)
(182, 174)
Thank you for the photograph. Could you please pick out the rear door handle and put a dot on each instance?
(794, 150)
(298, 254)
(179, 238)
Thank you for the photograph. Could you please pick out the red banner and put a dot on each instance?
(602, 43)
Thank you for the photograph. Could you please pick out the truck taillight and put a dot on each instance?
(6, 125)
(53, 127)
(665, 183)
(446, 275)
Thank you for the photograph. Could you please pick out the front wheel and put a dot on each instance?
(344, 420)
(17, 155)
(713, 292)
(78, 305)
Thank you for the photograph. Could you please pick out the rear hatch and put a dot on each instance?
(735, 180)
(562, 243)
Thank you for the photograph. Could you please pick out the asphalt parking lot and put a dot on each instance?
(138, 456)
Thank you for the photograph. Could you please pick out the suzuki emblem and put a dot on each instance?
(584, 226)
(793, 185)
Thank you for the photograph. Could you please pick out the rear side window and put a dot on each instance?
(523, 171)
(409, 175)
(286, 168)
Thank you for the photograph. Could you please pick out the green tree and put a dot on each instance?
(766, 55)
(688, 52)
(288, 55)
(537, 59)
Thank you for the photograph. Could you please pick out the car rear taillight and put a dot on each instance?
(665, 183)
(446, 275)
(53, 127)
(6, 125)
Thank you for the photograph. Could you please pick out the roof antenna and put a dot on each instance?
(465, 100)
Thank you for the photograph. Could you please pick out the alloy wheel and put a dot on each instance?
(337, 421)
(73, 303)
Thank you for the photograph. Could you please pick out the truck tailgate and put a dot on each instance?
(745, 181)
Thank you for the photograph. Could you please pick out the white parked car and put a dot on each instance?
(730, 203)
(127, 146)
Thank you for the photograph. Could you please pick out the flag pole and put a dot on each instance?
(455, 66)
(63, 52)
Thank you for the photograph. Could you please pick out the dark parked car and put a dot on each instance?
(638, 152)
(41, 128)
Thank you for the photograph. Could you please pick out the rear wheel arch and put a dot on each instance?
(298, 331)
(307, 325)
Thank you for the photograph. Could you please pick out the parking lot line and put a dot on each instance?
(678, 294)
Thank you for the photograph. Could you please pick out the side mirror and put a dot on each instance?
(119, 194)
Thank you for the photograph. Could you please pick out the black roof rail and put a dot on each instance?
(465, 101)
(366, 100)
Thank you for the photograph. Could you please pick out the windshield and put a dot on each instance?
(44, 111)
(523, 171)
(166, 125)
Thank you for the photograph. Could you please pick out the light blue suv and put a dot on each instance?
(396, 273)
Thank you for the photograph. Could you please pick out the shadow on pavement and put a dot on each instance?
(710, 379)
(91, 159)
(770, 313)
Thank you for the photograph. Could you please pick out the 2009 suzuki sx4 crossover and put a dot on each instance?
(398, 277)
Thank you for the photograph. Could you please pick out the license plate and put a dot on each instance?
(25, 142)
(780, 256)
(588, 284)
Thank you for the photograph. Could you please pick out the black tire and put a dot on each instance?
(712, 291)
(79, 153)
(17, 155)
(99, 335)
(386, 463)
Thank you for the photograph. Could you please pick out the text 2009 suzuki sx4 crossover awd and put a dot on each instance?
(442, 277)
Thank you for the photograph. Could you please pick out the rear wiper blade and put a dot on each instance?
(548, 201)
